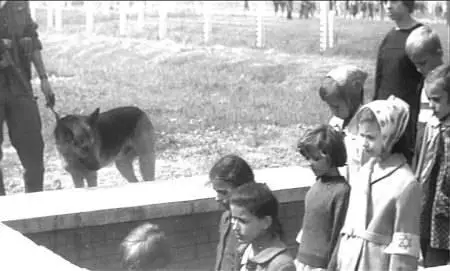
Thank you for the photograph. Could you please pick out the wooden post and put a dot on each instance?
(382, 11)
(33, 10)
(448, 29)
(89, 9)
(207, 27)
(260, 39)
(162, 27)
(50, 15)
(58, 15)
(324, 26)
(141, 15)
(331, 14)
(123, 11)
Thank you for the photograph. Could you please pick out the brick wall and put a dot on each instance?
(193, 238)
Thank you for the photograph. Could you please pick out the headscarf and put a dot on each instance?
(350, 80)
(392, 116)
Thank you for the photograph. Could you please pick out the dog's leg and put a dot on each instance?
(145, 148)
(77, 178)
(91, 178)
(147, 165)
(125, 166)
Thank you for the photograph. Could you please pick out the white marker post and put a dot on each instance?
(141, 15)
(260, 38)
(33, 10)
(207, 27)
(89, 9)
(50, 17)
(123, 14)
(58, 15)
(331, 41)
(448, 28)
(162, 26)
(324, 26)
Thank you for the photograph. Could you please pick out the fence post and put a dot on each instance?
(331, 41)
(260, 39)
(141, 15)
(162, 26)
(49, 15)
(448, 28)
(123, 11)
(324, 36)
(89, 9)
(207, 27)
(58, 15)
(33, 10)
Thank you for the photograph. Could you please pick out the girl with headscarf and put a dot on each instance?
(381, 229)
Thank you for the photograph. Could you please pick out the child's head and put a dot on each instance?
(229, 172)
(145, 248)
(343, 90)
(424, 48)
(254, 212)
(324, 148)
(437, 89)
(380, 124)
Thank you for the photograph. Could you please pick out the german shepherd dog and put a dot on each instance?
(88, 143)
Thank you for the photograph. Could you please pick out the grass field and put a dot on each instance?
(204, 100)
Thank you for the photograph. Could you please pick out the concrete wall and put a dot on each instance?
(85, 226)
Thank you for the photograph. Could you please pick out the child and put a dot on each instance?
(326, 201)
(145, 248)
(343, 91)
(433, 170)
(228, 173)
(424, 49)
(381, 228)
(254, 216)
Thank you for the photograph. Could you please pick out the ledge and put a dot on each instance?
(75, 208)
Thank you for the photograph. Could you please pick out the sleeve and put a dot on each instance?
(405, 245)
(420, 136)
(378, 68)
(281, 263)
(340, 204)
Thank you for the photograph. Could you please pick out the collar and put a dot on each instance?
(435, 122)
(266, 255)
(388, 166)
(326, 179)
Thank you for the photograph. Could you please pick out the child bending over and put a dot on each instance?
(145, 248)
(327, 199)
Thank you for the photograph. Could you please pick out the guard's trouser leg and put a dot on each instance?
(24, 125)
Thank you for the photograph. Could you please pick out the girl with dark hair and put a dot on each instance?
(228, 173)
(254, 219)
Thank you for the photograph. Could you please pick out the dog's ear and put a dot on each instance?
(93, 117)
(62, 132)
